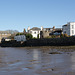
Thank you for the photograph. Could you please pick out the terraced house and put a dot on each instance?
(4, 34)
(69, 28)
(44, 32)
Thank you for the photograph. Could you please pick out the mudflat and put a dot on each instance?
(49, 60)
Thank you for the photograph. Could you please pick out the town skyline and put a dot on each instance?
(19, 14)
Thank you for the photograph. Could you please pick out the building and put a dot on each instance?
(46, 32)
(4, 34)
(35, 31)
(69, 28)
(20, 38)
(57, 31)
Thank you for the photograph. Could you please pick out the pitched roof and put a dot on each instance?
(47, 28)
(35, 28)
(58, 28)
(65, 25)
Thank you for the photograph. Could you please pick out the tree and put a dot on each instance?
(28, 36)
(19, 34)
(64, 35)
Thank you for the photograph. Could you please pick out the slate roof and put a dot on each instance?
(48, 28)
(35, 28)
(65, 25)
(58, 29)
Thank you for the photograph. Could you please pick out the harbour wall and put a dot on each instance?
(66, 41)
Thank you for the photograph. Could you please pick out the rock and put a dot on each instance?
(55, 53)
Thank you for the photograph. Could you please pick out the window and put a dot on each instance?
(72, 31)
(64, 32)
(72, 26)
(34, 32)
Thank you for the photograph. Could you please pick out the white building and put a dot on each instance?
(4, 34)
(34, 31)
(69, 28)
(20, 38)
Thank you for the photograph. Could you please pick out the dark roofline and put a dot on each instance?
(35, 28)
(65, 25)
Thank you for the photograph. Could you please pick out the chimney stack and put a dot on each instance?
(41, 28)
(28, 29)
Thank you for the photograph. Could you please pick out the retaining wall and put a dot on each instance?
(66, 41)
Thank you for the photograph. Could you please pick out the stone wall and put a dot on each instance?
(66, 41)
(12, 43)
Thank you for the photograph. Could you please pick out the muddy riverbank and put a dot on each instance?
(37, 60)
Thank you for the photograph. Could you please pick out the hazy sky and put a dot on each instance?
(19, 14)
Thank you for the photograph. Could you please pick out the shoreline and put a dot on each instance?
(51, 48)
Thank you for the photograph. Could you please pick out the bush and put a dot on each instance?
(62, 35)
(65, 35)
(28, 36)
(34, 38)
(19, 34)
(48, 37)
(53, 36)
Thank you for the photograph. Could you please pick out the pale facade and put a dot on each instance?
(69, 28)
(20, 38)
(34, 31)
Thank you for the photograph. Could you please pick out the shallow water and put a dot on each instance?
(36, 61)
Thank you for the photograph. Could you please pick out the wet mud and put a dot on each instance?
(37, 61)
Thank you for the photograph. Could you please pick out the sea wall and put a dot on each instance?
(66, 41)
(11, 44)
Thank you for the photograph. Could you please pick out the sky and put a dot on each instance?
(19, 14)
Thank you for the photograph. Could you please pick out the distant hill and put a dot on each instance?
(12, 31)
(9, 32)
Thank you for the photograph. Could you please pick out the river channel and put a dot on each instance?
(37, 61)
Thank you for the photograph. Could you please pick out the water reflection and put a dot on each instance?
(35, 54)
(73, 61)
(3, 61)
(46, 60)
